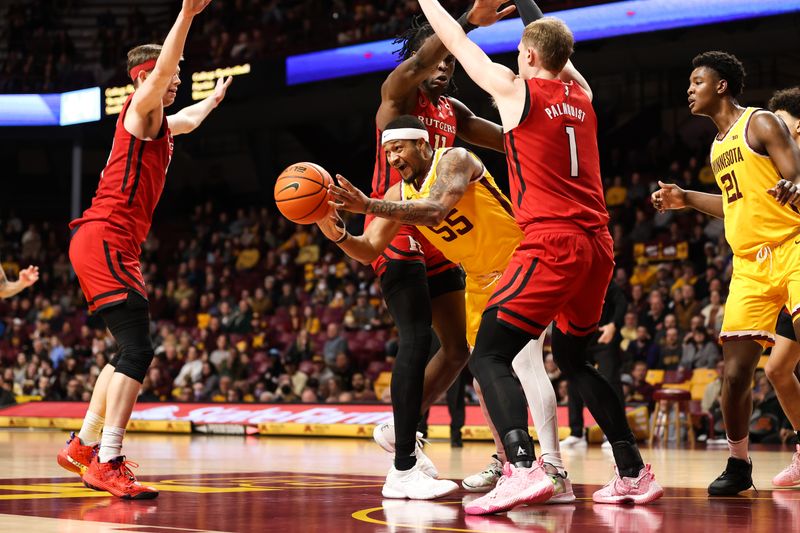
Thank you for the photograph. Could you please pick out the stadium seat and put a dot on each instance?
(654, 377)
(384, 380)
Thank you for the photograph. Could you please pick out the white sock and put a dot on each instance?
(529, 367)
(90, 429)
(738, 448)
(111, 443)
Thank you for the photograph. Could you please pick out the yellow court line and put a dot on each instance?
(363, 516)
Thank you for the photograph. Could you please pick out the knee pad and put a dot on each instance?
(135, 359)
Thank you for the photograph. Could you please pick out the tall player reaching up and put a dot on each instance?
(564, 263)
(750, 154)
(419, 285)
(105, 250)
(455, 203)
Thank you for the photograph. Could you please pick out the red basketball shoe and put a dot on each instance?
(75, 456)
(116, 477)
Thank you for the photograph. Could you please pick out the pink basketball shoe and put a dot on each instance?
(517, 486)
(791, 474)
(640, 490)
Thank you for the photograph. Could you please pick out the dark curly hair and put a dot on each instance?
(727, 66)
(411, 40)
(786, 100)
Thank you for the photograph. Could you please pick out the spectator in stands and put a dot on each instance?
(146, 393)
(311, 322)
(617, 193)
(302, 349)
(74, 391)
(209, 378)
(671, 352)
(643, 274)
(361, 388)
(221, 353)
(653, 318)
(362, 313)
(641, 390)
(336, 343)
(343, 370)
(699, 351)
(713, 313)
(241, 319)
(643, 348)
(7, 393)
(686, 307)
(191, 370)
(297, 378)
(628, 330)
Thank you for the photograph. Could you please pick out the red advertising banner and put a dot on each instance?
(254, 414)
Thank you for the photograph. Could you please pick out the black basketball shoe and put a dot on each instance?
(738, 476)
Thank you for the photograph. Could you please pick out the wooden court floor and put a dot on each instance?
(226, 483)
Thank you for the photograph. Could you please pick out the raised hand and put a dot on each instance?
(193, 7)
(670, 196)
(347, 197)
(485, 12)
(785, 192)
(220, 89)
(29, 276)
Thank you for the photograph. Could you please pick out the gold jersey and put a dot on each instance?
(753, 219)
(479, 232)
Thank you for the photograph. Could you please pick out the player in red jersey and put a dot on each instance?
(106, 244)
(561, 269)
(419, 285)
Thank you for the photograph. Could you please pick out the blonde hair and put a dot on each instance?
(552, 40)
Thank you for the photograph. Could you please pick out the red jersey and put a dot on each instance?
(553, 159)
(439, 118)
(131, 183)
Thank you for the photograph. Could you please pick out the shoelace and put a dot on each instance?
(125, 468)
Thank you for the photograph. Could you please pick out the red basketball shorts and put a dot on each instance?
(559, 275)
(410, 245)
(106, 265)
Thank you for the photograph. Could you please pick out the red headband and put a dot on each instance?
(150, 64)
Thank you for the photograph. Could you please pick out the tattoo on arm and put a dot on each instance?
(452, 177)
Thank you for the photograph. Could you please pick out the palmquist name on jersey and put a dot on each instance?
(558, 110)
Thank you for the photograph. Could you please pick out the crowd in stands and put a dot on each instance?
(42, 57)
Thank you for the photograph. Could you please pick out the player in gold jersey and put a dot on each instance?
(454, 201)
(751, 153)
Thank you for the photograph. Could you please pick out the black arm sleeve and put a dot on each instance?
(528, 11)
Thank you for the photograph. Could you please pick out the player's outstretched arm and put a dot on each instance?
(495, 79)
(399, 91)
(27, 277)
(454, 172)
(767, 133)
(670, 196)
(476, 130)
(570, 73)
(363, 248)
(147, 96)
(189, 118)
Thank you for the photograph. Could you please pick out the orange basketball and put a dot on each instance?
(301, 192)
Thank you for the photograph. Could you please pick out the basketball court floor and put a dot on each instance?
(227, 483)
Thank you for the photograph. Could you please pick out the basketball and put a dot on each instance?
(301, 192)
